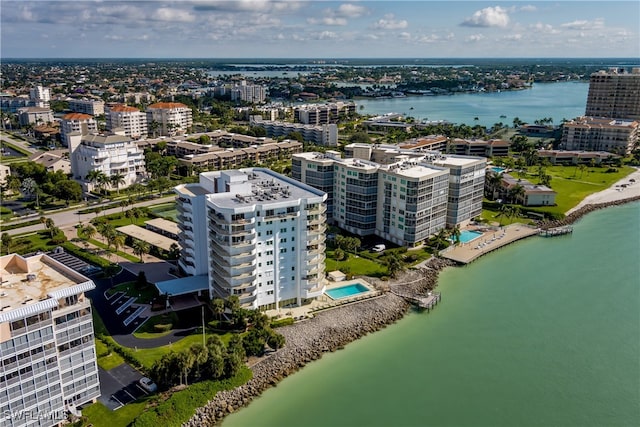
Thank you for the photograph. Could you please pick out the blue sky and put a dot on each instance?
(318, 29)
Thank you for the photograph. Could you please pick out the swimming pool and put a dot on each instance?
(346, 291)
(467, 235)
(496, 169)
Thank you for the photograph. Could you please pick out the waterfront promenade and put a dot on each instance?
(490, 240)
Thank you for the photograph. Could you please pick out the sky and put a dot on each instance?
(318, 29)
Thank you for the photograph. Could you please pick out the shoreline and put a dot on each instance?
(308, 340)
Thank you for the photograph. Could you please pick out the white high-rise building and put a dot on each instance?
(40, 96)
(47, 350)
(615, 94)
(264, 236)
(76, 122)
(254, 94)
(129, 119)
(110, 154)
(170, 118)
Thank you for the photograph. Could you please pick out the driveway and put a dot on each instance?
(155, 271)
(119, 386)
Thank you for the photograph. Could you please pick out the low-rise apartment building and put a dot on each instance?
(325, 135)
(321, 114)
(34, 116)
(47, 350)
(479, 147)
(111, 154)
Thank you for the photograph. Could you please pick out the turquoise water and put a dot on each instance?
(496, 169)
(555, 100)
(544, 332)
(467, 235)
(346, 291)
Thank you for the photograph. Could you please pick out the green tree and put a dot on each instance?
(116, 180)
(6, 240)
(217, 306)
(140, 248)
(394, 264)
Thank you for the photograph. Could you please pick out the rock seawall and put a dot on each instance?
(576, 215)
(308, 340)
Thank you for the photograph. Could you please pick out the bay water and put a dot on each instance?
(544, 332)
(560, 100)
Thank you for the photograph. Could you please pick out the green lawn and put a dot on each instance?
(355, 265)
(124, 255)
(148, 330)
(101, 416)
(147, 357)
(108, 360)
(573, 186)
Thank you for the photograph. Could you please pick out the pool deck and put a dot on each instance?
(325, 302)
(489, 241)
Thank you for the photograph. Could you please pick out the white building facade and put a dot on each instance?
(600, 134)
(131, 120)
(171, 118)
(325, 135)
(40, 96)
(92, 107)
(110, 154)
(265, 236)
(76, 122)
(47, 350)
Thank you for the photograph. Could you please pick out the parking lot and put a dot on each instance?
(119, 386)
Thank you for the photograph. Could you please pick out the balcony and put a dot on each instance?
(247, 298)
(235, 282)
(316, 259)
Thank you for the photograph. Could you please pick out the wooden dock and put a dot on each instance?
(426, 302)
(558, 231)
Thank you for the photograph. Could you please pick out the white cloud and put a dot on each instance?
(330, 21)
(388, 22)
(351, 10)
(513, 37)
(166, 14)
(327, 35)
(475, 38)
(528, 8)
(488, 17)
(583, 25)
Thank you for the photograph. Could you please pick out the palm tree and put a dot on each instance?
(117, 240)
(30, 187)
(96, 177)
(456, 234)
(217, 305)
(441, 239)
(140, 248)
(394, 264)
(6, 240)
(516, 192)
(88, 232)
(116, 180)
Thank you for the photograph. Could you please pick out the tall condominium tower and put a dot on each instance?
(47, 350)
(614, 94)
(256, 234)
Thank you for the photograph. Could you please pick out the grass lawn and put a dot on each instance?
(148, 329)
(573, 186)
(124, 255)
(32, 242)
(144, 296)
(108, 360)
(493, 216)
(147, 357)
(356, 265)
(101, 416)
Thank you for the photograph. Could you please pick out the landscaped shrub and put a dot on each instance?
(159, 327)
(282, 322)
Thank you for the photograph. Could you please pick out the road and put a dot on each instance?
(69, 218)
(22, 144)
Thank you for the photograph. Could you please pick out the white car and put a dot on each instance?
(378, 248)
(148, 385)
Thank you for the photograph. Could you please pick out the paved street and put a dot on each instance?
(69, 218)
(22, 144)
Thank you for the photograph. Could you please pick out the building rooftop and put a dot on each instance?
(155, 239)
(267, 187)
(447, 161)
(191, 190)
(77, 116)
(124, 109)
(167, 105)
(164, 225)
(36, 280)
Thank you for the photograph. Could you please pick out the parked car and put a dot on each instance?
(378, 248)
(148, 385)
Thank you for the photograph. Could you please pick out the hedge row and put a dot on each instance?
(85, 256)
(282, 322)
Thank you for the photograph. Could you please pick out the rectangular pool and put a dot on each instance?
(346, 291)
(467, 235)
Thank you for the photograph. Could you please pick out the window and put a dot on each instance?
(269, 262)
(269, 232)
(283, 240)
(283, 230)
(269, 292)
(283, 250)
